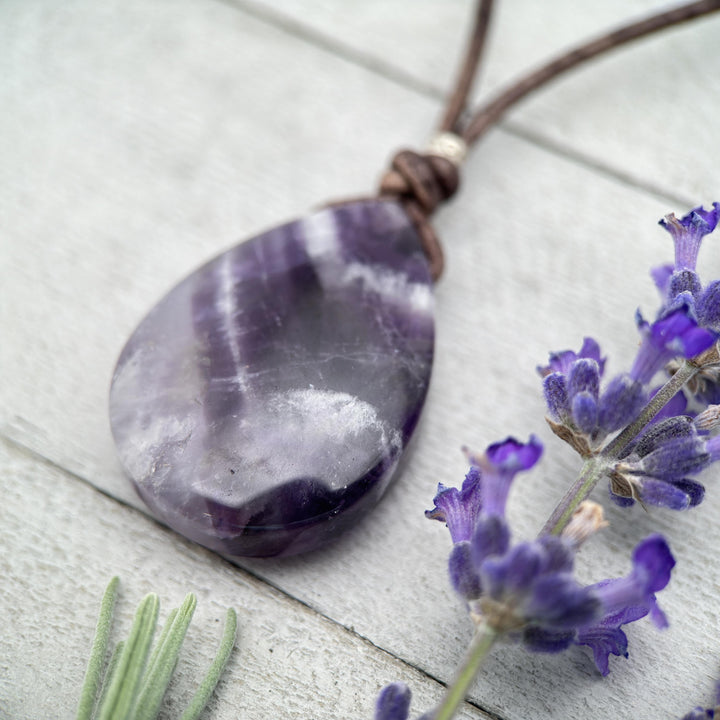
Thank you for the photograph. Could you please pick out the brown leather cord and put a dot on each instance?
(421, 182)
(489, 113)
(468, 72)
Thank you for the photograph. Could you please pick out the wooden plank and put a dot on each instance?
(61, 542)
(140, 140)
(646, 113)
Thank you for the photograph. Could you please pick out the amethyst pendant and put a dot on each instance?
(263, 404)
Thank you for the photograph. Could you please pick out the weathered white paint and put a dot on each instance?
(138, 140)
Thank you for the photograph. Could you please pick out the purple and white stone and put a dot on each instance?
(262, 406)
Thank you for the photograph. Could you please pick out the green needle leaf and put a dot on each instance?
(97, 655)
(200, 700)
(124, 683)
(164, 660)
(163, 637)
(110, 672)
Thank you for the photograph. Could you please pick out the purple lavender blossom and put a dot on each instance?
(679, 284)
(393, 703)
(528, 590)
(654, 469)
(477, 510)
(620, 597)
(486, 486)
(562, 361)
(688, 324)
(688, 232)
(571, 384)
(459, 509)
(623, 600)
(700, 714)
(535, 580)
(675, 334)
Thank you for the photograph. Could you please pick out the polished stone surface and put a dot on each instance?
(262, 406)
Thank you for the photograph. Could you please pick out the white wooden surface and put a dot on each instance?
(139, 139)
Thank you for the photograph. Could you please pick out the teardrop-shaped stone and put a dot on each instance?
(263, 404)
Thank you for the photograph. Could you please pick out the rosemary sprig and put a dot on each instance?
(97, 655)
(125, 681)
(210, 681)
(162, 664)
(138, 676)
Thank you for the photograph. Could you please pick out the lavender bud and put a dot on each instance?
(556, 396)
(463, 574)
(684, 281)
(585, 412)
(693, 489)
(393, 703)
(662, 432)
(663, 494)
(620, 403)
(688, 233)
(708, 306)
(676, 458)
(584, 376)
(491, 537)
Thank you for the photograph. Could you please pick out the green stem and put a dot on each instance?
(97, 654)
(683, 375)
(595, 467)
(590, 474)
(480, 646)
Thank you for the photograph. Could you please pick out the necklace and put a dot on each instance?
(264, 404)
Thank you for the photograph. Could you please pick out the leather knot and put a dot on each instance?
(427, 179)
(420, 183)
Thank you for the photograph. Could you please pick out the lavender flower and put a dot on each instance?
(654, 468)
(571, 383)
(486, 486)
(393, 703)
(485, 492)
(700, 714)
(674, 334)
(688, 232)
(459, 509)
(527, 591)
(627, 599)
